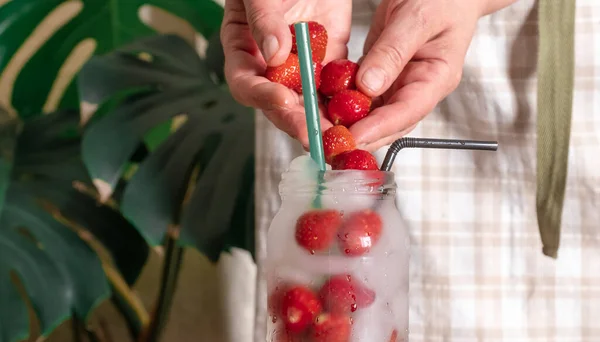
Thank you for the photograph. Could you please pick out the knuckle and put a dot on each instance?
(421, 17)
(393, 55)
(256, 17)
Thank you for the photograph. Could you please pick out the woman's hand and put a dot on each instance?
(414, 55)
(255, 33)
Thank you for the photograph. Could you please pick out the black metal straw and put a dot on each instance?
(449, 144)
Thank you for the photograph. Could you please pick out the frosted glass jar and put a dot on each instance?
(338, 273)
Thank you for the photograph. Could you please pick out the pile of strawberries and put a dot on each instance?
(324, 313)
(346, 105)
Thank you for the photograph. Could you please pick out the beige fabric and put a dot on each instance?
(477, 271)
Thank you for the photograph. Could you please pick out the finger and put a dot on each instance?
(243, 73)
(387, 140)
(269, 29)
(422, 85)
(244, 68)
(377, 24)
(407, 29)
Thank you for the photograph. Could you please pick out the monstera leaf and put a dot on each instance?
(201, 177)
(46, 221)
(109, 23)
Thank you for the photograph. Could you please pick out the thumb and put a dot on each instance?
(390, 48)
(269, 29)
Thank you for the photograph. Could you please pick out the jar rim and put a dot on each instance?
(334, 181)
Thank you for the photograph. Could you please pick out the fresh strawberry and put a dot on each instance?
(347, 107)
(287, 73)
(318, 67)
(330, 327)
(338, 75)
(318, 40)
(299, 307)
(342, 294)
(316, 229)
(354, 160)
(394, 336)
(336, 140)
(360, 232)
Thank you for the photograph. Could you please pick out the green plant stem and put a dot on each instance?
(76, 325)
(130, 316)
(170, 274)
(91, 335)
(80, 330)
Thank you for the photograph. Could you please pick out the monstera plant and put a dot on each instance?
(51, 224)
(194, 187)
(109, 23)
(167, 159)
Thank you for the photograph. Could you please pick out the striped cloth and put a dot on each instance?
(477, 271)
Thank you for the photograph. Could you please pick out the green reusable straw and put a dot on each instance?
(311, 103)
(309, 92)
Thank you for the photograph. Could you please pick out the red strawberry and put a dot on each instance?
(299, 307)
(342, 294)
(354, 160)
(336, 140)
(318, 40)
(360, 232)
(394, 336)
(338, 75)
(318, 67)
(347, 107)
(331, 328)
(287, 74)
(315, 229)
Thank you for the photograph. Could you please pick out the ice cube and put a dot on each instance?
(286, 274)
(318, 264)
(385, 268)
(369, 324)
(343, 195)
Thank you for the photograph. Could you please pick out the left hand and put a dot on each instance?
(414, 55)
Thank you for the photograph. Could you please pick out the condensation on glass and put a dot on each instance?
(339, 271)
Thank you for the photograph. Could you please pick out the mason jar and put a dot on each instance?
(337, 260)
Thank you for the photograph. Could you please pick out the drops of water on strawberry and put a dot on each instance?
(287, 74)
(318, 40)
(318, 68)
(316, 229)
(338, 75)
(329, 327)
(299, 307)
(354, 160)
(343, 294)
(360, 232)
(347, 107)
(336, 140)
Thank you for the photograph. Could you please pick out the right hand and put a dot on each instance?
(255, 34)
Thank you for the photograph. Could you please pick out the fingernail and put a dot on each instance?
(373, 79)
(270, 47)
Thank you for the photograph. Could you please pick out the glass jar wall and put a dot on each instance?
(337, 263)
